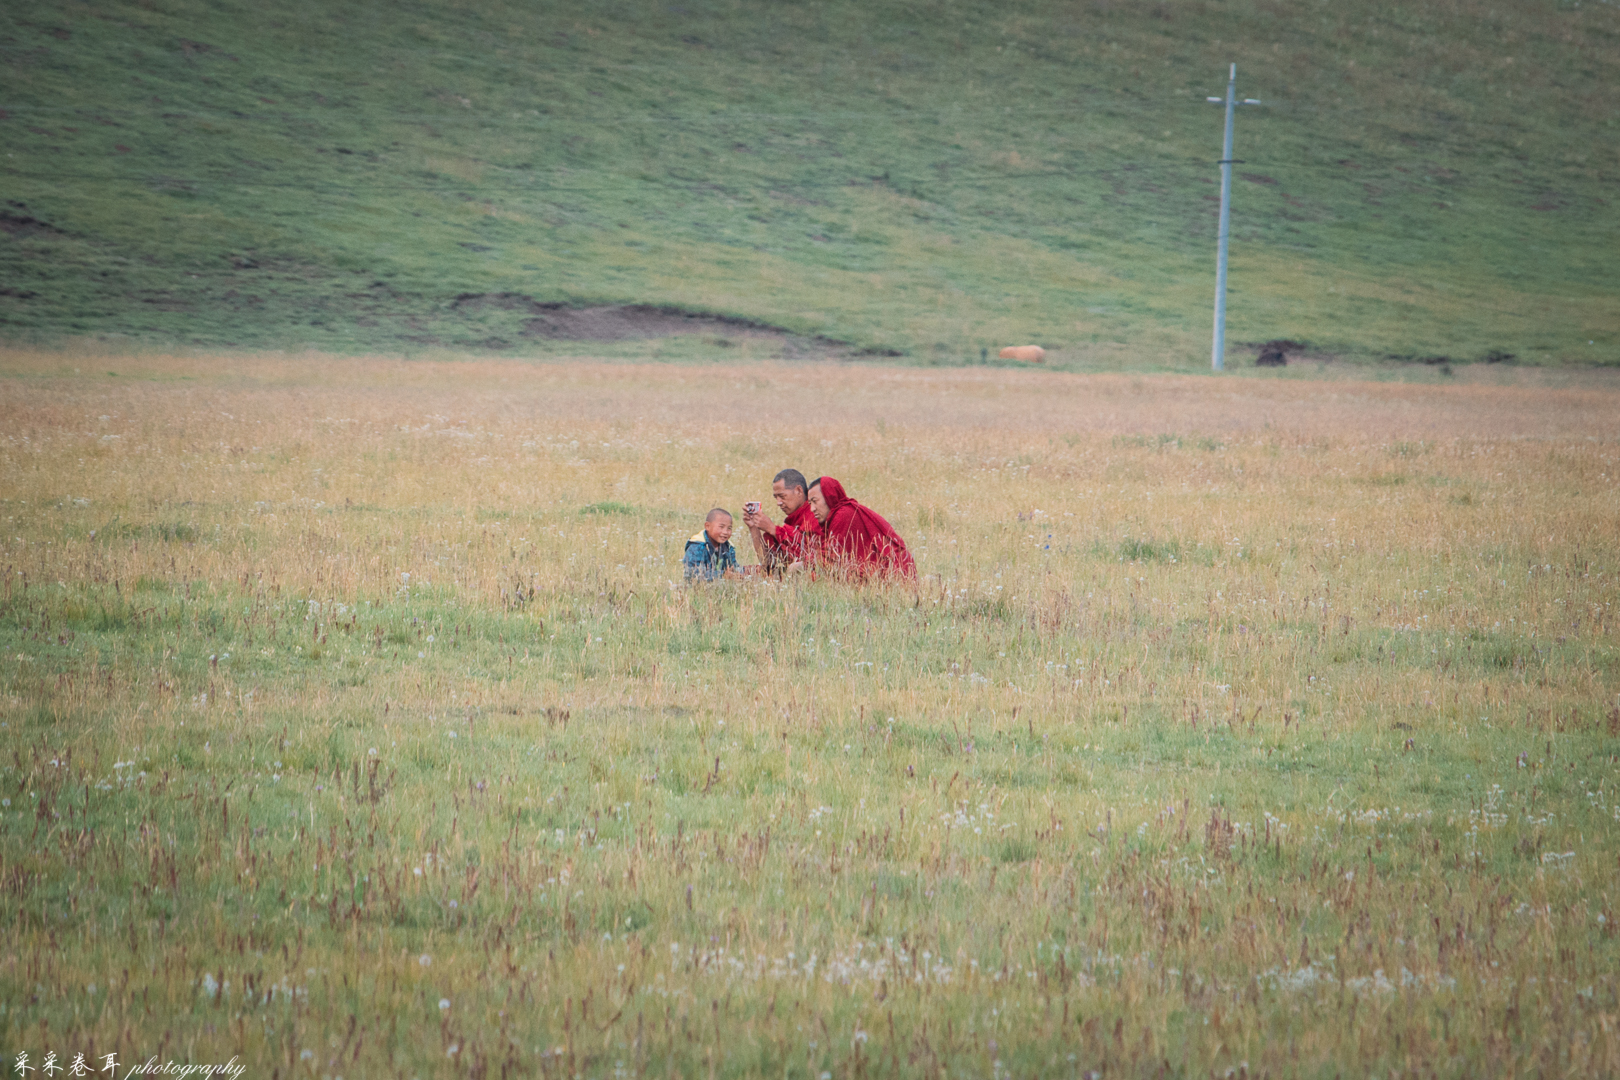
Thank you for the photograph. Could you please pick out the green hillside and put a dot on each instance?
(931, 179)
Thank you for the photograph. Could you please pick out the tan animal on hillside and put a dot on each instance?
(1033, 353)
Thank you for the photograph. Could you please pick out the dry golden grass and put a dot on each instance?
(358, 724)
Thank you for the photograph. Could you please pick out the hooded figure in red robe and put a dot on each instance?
(855, 540)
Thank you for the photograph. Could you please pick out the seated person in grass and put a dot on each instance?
(856, 542)
(709, 554)
(780, 546)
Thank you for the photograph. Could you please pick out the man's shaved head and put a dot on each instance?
(792, 478)
(789, 490)
(717, 512)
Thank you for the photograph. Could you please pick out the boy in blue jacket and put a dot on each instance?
(709, 554)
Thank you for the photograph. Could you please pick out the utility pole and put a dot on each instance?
(1217, 357)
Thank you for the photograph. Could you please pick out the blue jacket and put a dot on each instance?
(706, 561)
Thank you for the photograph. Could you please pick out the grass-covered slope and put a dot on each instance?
(932, 178)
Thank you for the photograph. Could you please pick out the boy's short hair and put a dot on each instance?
(792, 478)
(718, 511)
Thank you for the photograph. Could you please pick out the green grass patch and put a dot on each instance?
(607, 507)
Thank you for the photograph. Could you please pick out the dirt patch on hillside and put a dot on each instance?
(1280, 352)
(21, 225)
(628, 322)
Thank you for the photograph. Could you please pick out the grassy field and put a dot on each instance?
(354, 724)
(932, 180)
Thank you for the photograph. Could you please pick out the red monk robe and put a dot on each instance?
(857, 541)
(794, 540)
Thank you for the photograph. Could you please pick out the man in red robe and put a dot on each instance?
(780, 546)
(856, 541)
